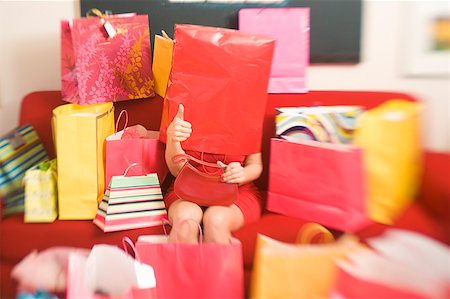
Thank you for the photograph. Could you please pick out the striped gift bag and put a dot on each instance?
(131, 202)
(20, 150)
(334, 124)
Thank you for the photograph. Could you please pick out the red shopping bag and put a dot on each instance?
(318, 182)
(290, 27)
(122, 151)
(220, 76)
(106, 59)
(205, 270)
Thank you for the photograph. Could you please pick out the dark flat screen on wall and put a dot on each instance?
(335, 24)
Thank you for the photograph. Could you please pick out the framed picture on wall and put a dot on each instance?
(426, 38)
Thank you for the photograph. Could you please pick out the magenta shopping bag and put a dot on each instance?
(106, 59)
(124, 148)
(201, 271)
(290, 28)
(318, 182)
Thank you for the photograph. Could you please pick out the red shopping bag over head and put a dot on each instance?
(220, 76)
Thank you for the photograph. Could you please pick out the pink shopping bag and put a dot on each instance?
(124, 148)
(290, 28)
(106, 59)
(318, 182)
(204, 270)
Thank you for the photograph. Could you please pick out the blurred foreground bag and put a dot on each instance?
(204, 270)
(304, 270)
(220, 76)
(290, 27)
(79, 133)
(106, 59)
(126, 147)
(131, 201)
(109, 273)
(20, 150)
(319, 182)
(390, 137)
(41, 193)
(400, 264)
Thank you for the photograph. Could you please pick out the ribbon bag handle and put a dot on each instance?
(311, 230)
(123, 112)
(144, 171)
(127, 241)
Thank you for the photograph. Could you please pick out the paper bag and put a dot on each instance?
(290, 27)
(79, 133)
(220, 76)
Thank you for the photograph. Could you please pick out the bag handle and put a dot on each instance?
(127, 240)
(310, 230)
(165, 221)
(186, 158)
(123, 112)
(144, 171)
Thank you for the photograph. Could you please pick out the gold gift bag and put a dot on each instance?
(162, 62)
(390, 137)
(79, 134)
(283, 270)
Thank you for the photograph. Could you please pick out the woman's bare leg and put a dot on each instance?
(181, 214)
(220, 221)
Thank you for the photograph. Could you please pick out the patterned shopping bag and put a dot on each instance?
(335, 124)
(41, 193)
(131, 202)
(20, 150)
(106, 59)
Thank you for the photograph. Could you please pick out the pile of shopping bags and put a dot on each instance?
(396, 264)
(343, 166)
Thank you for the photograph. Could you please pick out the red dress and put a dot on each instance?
(249, 198)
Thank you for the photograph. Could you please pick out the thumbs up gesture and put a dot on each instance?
(179, 130)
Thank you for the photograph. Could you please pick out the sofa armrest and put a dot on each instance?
(434, 194)
(36, 109)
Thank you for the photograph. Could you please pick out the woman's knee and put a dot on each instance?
(219, 222)
(185, 218)
(183, 211)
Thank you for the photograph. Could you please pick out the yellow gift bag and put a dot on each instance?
(162, 62)
(287, 271)
(390, 137)
(79, 134)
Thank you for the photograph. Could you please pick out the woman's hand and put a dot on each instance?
(179, 130)
(233, 173)
(238, 174)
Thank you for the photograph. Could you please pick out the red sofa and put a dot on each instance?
(428, 214)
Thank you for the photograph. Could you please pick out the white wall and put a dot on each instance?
(29, 60)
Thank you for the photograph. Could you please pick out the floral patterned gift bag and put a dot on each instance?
(106, 58)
